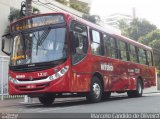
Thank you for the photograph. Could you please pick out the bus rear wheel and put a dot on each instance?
(138, 92)
(47, 99)
(95, 93)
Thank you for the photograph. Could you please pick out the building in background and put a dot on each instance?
(113, 19)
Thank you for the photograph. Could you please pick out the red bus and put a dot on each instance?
(58, 53)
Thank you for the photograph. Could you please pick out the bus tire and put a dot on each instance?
(106, 95)
(47, 99)
(95, 93)
(139, 90)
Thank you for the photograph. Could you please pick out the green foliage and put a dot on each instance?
(92, 18)
(81, 8)
(122, 24)
(136, 28)
(62, 2)
(155, 44)
(36, 10)
(14, 14)
(150, 37)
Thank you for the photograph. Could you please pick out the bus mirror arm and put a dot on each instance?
(3, 43)
(2, 49)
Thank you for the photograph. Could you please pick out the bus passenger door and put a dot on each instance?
(79, 60)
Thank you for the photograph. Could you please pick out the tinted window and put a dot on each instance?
(97, 44)
(79, 41)
(142, 56)
(149, 57)
(96, 36)
(132, 53)
(110, 46)
(122, 48)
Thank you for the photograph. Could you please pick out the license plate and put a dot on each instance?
(30, 86)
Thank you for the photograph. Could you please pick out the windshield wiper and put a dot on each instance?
(43, 36)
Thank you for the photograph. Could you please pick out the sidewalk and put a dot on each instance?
(151, 90)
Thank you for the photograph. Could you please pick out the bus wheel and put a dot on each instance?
(95, 93)
(47, 99)
(138, 92)
(106, 95)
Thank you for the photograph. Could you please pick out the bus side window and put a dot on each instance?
(97, 43)
(142, 56)
(149, 57)
(107, 45)
(133, 54)
(122, 48)
(113, 50)
(79, 41)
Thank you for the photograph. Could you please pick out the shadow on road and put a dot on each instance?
(75, 102)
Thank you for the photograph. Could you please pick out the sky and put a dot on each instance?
(148, 9)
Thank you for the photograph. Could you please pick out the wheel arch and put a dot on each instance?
(100, 77)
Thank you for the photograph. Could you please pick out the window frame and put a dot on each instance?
(87, 35)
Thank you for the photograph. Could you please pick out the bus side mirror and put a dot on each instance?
(6, 44)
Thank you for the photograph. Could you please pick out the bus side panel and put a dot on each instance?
(150, 80)
(81, 75)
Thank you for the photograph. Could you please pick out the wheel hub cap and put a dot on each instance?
(96, 89)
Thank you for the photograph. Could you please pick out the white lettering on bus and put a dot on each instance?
(107, 67)
(131, 70)
(42, 74)
(137, 71)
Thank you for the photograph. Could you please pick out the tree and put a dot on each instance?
(137, 28)
(150, 37)
(14, 14)
(36, 10)
(79, 7)
(92, 18)
(65, 2)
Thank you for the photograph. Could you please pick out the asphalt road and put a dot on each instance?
(149, 103)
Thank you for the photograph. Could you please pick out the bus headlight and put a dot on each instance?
(59, 73)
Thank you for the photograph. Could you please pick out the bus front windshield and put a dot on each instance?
(39, 46)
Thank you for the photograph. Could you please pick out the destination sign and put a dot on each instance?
(37, 22)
